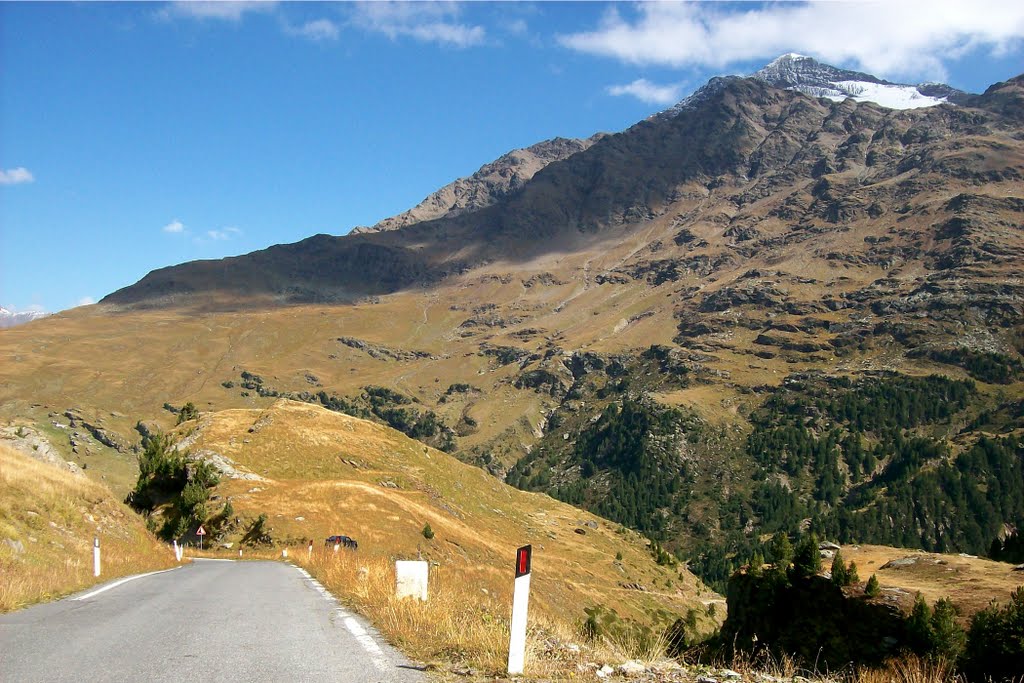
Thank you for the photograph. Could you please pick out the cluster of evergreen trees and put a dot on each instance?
(632, 448)
(788, 608)
(168, 476)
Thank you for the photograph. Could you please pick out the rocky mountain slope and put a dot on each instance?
(487, 185)
(717, 323)
(759, 154)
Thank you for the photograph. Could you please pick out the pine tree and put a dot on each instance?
(807, 559)
(872, 589)
(756, 564)
(840, 574)
(948, 638)
(851, 574)
(781, 551)
(919, 626)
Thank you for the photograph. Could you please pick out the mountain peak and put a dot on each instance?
(9, 318)
(793, 71)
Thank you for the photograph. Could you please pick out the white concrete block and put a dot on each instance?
(411, 579)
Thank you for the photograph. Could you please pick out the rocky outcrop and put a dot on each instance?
(489, 184)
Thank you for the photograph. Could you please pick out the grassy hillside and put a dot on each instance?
(48, 519)
(316, 473)
(972, 583)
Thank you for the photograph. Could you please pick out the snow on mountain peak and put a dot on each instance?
(10, 318)
(805, 74)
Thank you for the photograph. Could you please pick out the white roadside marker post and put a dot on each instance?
(96, 556)
(520, 601)
(309, 555)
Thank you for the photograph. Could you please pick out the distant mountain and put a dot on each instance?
(490, 183)
(766, 308)
(811, 77)
(735, 131)
(10, 318)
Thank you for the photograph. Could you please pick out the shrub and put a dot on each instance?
(995, 641)
(428, 533)
(188, 412)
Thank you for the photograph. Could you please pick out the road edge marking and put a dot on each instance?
(362, 636)
(117, 583)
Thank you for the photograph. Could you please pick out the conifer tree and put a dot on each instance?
(840, 574)
(948, 638)
(872, 590)
(781, 551)
(919, 626)
(756, 564)
(807, 559)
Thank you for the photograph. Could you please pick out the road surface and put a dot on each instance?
(207, 621)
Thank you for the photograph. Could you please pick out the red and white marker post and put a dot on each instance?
(96, 556)
(520, 601)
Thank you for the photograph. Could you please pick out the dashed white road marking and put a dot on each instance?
(121, 581)
(361, 635)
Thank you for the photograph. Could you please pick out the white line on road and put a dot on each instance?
(118, 583)
(361, 635)
(368, 643)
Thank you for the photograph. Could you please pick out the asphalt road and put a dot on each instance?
(207, 621)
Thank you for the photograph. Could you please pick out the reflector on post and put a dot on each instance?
(523, 557)
(520, 601)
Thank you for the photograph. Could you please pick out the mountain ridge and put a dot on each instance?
(486, 185)
(621, 179)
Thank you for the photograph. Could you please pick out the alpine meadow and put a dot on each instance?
(748, 376)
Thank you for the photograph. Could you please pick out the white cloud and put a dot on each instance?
(517, 27)
(223, 234)
(224, 10)
(910, 38)
(433, 22)
(86, 301)
(16, 176)
(316, 30)
(174, 226)
(648, 92)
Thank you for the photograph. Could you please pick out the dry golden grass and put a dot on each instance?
(48, 519)
(909, 669)
(970, 582)
(327, 473)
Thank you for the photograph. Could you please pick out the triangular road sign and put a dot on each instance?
(200, 531)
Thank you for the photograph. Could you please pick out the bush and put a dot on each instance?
(188, 412)
(995, 641)
(428, 533)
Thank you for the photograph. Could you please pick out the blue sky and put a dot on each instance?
(137, 136)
